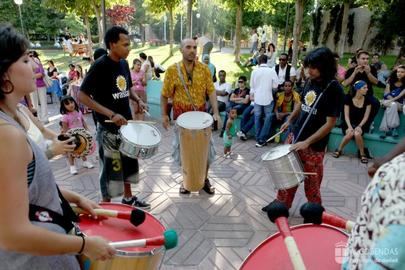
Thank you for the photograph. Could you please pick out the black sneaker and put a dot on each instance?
(208, 188)
(260, 144)
(135, 202)
(222, 133)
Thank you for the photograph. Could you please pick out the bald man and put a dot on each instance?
(197, 78)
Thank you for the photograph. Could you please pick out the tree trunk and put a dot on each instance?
(90, 43)
(342, 39)
(171, 31)
(100, 29)
(143, 36)
(299, 13)
(366, 35)
(238, 31)
(189, 13)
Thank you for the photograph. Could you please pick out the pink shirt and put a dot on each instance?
(341, 72)
(73, 120)
(136, 78)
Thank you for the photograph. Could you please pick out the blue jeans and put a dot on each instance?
(263, 128)
(248, 119)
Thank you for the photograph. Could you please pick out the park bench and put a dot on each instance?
(78, 49)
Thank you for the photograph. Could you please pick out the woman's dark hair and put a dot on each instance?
(143, 56)
(271, 45)
(152, 63)
(288, 81)
(113, 35)
(13, 45)
(243, 78)
(63, 102)
(135, 61)
(323, 60)
(394, 78)
(51, 61)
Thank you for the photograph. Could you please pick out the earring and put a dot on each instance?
(10, 85)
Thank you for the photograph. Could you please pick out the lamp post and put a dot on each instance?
(164, 26)
(198, 15)
(19, 3)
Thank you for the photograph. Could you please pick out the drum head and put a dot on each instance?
(114, 229)
(321, 247)
(194, 120)
(277, 152)
(141, 134)
(85, 144)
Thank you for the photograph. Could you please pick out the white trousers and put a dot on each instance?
(40, 94)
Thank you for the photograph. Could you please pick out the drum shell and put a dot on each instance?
(194, 148)
(125, 259)
(289, 162)
(137, 151)
(321, 247)
(134, 150)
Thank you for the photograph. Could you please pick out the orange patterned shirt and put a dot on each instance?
(200, 86)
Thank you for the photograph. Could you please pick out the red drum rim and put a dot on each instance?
(114, 229)
(311, 240)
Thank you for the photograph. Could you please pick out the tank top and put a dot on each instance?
(33, 131)
(42, 192)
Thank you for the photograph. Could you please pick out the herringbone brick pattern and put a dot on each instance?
(219, 231)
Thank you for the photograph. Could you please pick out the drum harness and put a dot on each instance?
(312, 109)
(185, 86)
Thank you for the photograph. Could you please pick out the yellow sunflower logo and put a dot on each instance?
(121, 83)
(310, 98)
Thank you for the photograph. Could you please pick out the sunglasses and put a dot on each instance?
(241, 81)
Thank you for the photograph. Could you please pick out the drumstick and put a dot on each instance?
(134, 121)
(293, 172)
(147, 113)
(168, 239)
(135, 216)
(278, 213)
(275, 135)
(315, 213)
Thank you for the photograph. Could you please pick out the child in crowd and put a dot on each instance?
(230, 132)
(73, 118)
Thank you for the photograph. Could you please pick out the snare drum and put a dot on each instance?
(321, 246)
(281, 163)
(114, 230)
(195, 136)
(139, 140)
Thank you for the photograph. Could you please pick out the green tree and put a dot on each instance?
(161, 6)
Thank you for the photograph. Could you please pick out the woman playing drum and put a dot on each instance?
(27, 182)
(322, 99)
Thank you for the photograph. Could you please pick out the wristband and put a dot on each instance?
(83, 244)
(112, 116)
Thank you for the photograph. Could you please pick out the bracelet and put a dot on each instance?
(83, 244)
(112, 116)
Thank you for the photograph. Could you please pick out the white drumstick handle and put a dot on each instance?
(294, 253)
(349, 225)
(130, 243)
(98, 211)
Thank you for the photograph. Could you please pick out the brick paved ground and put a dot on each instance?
(217, 232)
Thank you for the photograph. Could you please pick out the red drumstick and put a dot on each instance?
(168, 239)
(315, 213)
(278, 213)
(135, 216)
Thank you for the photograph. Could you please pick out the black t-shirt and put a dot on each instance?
(108, 82)
(362, 76)
(329, 105)
(356, 114)
(50, 71)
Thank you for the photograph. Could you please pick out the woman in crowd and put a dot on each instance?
(39, 95)
(138, 87)
(393, 102)
(356, 111)
(52, 73)
(32, 241)
(271, 55)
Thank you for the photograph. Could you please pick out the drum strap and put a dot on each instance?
(312, 109)
(185, 86)
(42, 214)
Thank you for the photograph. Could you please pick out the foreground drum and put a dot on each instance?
(114, 230)
(284, 167)
(195, 135)
(139, 140)
(321, 246)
